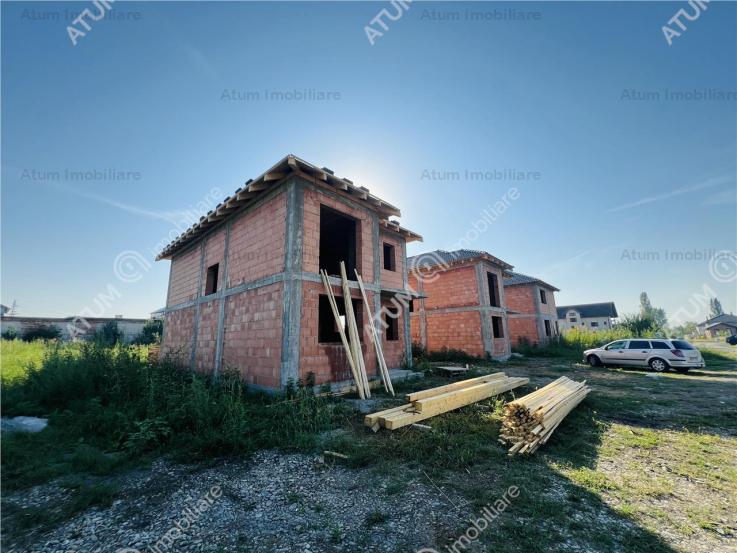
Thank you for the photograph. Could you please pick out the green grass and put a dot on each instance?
(638, 456)
(18, 357)
(111, 410)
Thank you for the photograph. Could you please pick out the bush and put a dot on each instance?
(446, 354)
(572, 343)
(10, 334)
(112, 398)
(151, 333)
(108, 334)
(42, 332)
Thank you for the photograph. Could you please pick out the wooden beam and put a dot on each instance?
(430, 392)
(465, 396)
(398, 419)
(268, 177)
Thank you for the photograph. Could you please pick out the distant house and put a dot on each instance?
(592, 316)
(717, 325)
(531, 312)
(461, 303)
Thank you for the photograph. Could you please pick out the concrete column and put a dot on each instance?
(196, 325)
(376, 248)
(221, 305)
(292, 297)
(405, 312)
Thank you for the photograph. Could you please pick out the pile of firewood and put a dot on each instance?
(530, 420)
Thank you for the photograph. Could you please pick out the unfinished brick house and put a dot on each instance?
(531, 309)
(462, 303)
(244, 287)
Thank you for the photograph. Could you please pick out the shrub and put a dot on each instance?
(572, 343)
(10, 334)
(42, 332)
(151, 333)
(108, 334)
(115, 400)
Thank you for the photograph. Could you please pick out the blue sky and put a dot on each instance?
(581, 97)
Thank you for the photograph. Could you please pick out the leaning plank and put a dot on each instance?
(380, 361)
(430, 392)
(341, 331)
(355, 342)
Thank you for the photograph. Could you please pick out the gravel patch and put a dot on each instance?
(272, 502)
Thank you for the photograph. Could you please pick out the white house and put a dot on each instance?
(591, 316)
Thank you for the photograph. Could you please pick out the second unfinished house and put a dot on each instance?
(245, 291)
(462, 304)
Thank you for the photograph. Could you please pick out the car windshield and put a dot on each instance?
(681, 344)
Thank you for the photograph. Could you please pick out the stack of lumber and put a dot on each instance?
(530, 420)
(428, 403)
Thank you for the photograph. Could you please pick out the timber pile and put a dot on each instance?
(428, 403)
(530, 420)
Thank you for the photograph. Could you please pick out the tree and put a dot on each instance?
(108, 334)
(683, 331)
(151, 333)
(715, 307)
(638, 325)
(656, 314)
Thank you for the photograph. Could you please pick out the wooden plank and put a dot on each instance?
(341, 331)
(355, 341)
(414, 396)
(377, 341)
(394, 421)
(465, 396)
(373, 418)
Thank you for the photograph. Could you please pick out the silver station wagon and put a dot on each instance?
(657, 354)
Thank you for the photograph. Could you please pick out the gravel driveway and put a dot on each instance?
(271, 502)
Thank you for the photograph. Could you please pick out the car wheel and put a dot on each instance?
(658, 365)
(594, 360)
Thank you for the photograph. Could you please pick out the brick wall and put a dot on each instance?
(252, 335)
(523, 329)
(183, 279)
(257, 241)
(207, 330)
(414, 325)
(391, 279)
(214, 253)
(393, 349)
(520, 298)
(456, 287)
(460, 330)
(529, 321)
(177, 341)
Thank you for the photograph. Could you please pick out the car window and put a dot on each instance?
(639, 344)
(682, 344)
(660, 345)
(615, 345)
